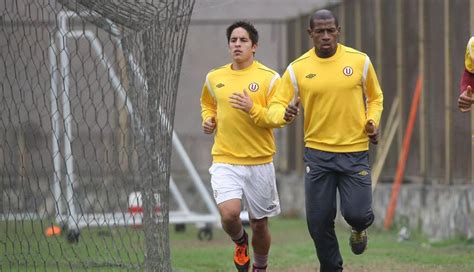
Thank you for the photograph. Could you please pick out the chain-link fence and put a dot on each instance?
(88, 97)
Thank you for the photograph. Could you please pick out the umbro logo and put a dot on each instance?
(310, 76)
(363, 173)
(220, 85)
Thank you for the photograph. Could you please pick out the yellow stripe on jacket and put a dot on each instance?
(468, 57)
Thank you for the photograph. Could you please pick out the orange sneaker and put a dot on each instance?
(241, 257)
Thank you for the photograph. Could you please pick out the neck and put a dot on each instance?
(241, 65)
(324, 55)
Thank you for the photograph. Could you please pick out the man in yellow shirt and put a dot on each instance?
(242, 152)
(465, 99)
(342, 102)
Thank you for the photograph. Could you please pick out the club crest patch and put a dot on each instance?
(348, 71)
(253, 87)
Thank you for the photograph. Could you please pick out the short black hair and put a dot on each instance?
(322, 14)
(253, 33)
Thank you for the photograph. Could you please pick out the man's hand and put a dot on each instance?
(465, 100)
(372, 131)
(292, 111)
(209, 125)
(241, 101)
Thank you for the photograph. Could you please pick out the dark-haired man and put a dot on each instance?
(342, 102)
(242, 152)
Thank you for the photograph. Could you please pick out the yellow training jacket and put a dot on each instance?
(338, 95)
(468, 57)
(238, 139)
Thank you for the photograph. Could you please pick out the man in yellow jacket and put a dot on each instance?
(242, 152)
(342, 102)
(465, 99)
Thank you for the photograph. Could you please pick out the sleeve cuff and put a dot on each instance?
(254, 110)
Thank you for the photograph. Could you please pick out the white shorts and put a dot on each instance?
(255, 182)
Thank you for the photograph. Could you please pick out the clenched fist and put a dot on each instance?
(209, 125)
(371, 131)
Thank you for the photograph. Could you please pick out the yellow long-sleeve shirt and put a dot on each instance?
(338, 95)
(468, 57)
(238, 139)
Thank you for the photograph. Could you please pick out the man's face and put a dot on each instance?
(324, 35)
(240, 46)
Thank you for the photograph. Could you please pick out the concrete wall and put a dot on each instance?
(439, 211)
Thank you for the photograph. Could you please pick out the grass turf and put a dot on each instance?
(24, 247)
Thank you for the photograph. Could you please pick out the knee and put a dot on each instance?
(359, 220)
(259, 226)
(230, 218)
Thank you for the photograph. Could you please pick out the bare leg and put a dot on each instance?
(230, 217)
(261, 240)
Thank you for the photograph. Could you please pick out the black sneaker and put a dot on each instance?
(358, 241)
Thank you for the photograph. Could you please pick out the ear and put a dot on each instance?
(254, 47)
(309, 30)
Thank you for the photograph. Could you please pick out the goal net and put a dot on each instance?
(88, 99)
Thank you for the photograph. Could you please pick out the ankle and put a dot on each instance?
(259, 269)
(242, 240)
(260, 261)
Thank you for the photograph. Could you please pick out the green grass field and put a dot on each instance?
(25, 248)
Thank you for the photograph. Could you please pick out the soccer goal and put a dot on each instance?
(68, 215)
(87, 139)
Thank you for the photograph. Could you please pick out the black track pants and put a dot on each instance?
(327, 172)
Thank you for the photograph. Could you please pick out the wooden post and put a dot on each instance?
(123, 133)
(342, 22)
(299, 130)
(358, 27)
(447, 94)
(378, 39)
(399, 71)
(421, 64)
(378, 69)
(386, 142)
